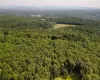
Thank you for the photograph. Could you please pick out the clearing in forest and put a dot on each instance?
(62, 25)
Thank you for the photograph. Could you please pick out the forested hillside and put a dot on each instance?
(31, 50)
(93, 14)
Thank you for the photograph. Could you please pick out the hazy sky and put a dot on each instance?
(81, 3)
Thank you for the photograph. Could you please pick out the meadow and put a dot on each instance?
(62, 25)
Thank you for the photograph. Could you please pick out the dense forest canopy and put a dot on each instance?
(30, 49)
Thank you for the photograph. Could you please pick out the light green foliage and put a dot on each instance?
(31, 51)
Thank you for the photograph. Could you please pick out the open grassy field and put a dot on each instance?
(62, 25)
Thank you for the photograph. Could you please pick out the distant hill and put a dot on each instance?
(51, 11)
(45, 7)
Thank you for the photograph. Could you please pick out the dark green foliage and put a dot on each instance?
(23, 22)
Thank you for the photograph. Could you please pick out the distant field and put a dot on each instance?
(62, 25)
